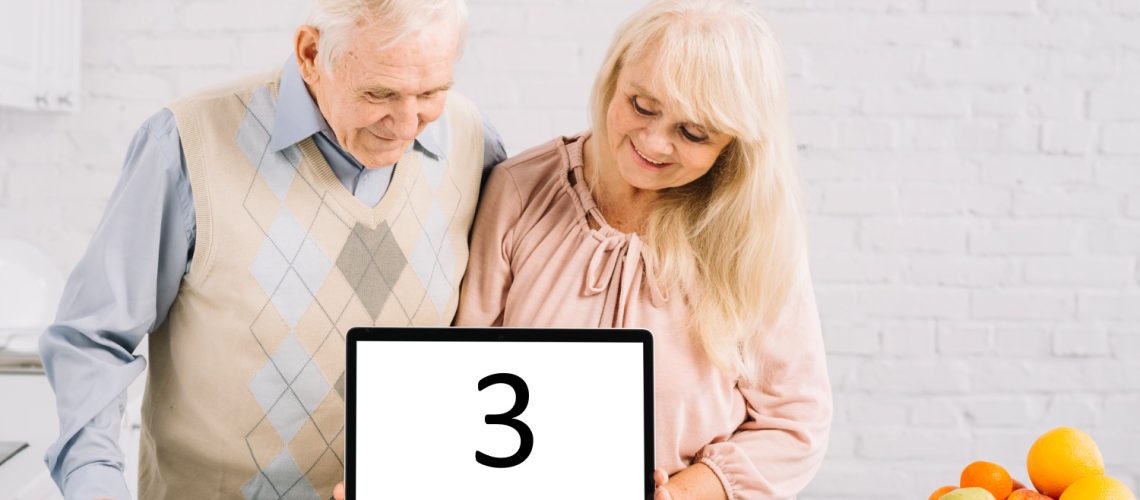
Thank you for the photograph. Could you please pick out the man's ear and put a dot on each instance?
(305, 48)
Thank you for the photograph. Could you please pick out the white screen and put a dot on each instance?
(420, 419)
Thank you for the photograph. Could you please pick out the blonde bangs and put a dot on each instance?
(697, 61)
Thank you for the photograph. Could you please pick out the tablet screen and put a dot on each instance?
(507, 420)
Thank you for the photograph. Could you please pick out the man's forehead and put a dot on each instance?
(418, 63)
(411, 79)
(436, 41)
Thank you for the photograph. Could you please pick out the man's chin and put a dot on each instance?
(381, 157)
(378, 160)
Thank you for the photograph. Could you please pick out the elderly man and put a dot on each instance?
(254, 224)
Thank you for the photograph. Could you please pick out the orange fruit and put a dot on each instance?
(941, 491)
(1060, 457)
(1097, 488)
(1017, 485)
(1026, 494)
(988, 476)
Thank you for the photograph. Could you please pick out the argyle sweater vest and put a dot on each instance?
(245, 394)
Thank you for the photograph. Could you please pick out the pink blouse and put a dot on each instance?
(536, 261)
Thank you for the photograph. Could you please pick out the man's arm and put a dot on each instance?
(121, 290)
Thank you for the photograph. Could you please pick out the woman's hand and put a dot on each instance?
(660, 478)
(338, 491)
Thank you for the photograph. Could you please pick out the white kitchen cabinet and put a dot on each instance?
(40, 54)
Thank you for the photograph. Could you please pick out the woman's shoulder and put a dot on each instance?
(538, 166)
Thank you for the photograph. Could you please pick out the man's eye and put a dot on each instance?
(640, 110)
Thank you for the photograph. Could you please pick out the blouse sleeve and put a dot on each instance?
(781, 444)
(482, 297)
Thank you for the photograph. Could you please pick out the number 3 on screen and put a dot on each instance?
(526, 437)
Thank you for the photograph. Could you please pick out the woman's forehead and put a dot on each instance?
(638, 79)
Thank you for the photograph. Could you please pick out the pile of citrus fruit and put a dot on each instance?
(1063, 464)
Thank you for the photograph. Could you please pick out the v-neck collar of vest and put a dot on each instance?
(405, 170)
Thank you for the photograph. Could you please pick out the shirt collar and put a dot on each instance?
(298, 116)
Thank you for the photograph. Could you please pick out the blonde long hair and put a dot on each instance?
(733, 240)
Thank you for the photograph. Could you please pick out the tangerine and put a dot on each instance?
(988, 476)
(941, 491)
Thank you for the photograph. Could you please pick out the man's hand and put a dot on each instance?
(338, 491)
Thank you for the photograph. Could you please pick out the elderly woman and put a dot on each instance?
(679, 213)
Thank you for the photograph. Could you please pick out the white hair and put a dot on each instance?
(335, 20)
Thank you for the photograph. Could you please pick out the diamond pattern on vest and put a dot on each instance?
(281, 479)
(290, 267)
(277, 169)
(433, 259)
(372, 262)
(323, 272)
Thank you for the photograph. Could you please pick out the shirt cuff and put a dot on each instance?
(713, 462)
(96, 480)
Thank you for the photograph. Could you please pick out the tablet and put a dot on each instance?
(505, 413)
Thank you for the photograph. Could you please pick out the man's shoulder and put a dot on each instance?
(454, 97)
(227, 90)
(458, 105)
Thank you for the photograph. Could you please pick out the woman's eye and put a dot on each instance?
(693, 137)
(640, 110)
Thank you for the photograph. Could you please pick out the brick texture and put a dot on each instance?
(972, 170)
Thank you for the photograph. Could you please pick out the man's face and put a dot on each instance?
(377, 100)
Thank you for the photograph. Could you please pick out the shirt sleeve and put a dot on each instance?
(781, 444)
(493, 151)
(483, 294)
(121, 290)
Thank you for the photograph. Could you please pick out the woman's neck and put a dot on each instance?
(624, 207)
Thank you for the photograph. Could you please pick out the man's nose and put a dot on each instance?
(404, 120)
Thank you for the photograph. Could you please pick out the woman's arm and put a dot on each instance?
(780, 446)
(695, 482)
(483, 294)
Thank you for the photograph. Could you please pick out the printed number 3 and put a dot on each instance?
(526, 437)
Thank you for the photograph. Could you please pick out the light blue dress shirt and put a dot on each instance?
(124, 285)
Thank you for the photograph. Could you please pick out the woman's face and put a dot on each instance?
(652, 145)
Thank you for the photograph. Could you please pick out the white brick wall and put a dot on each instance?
(972, 170)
